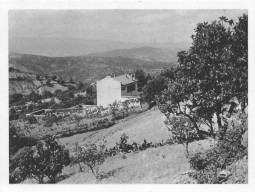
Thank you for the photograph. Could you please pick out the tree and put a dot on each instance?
(141, 77)
(168, 73)
(50, 159)
(37, 77)
(20, 165)
(92, 156)
(47, 159)
(154, 87)
(182, 130)
(13, 115)
(211, 72)
(33, 97)
(71, 80)
(15, 98)
(81, 85)
(47, 94)
(53, 77)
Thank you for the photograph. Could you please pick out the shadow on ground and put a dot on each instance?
(111, 173)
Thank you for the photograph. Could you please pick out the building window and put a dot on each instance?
(130, 88)
(123, 88)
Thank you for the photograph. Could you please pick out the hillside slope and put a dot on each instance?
(155, 165)
(142, 53)
(22, 82)
(83, 68)
(62, 47)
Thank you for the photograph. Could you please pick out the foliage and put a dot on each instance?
(17, 140)
(168, 73)
(141, 77)
(228, 150)
(47, 94)
(91, 155)
(211, 73)
(47, 159)
(14, 98)
(13, 114)
(53, 77)
(182, 130)
(20, 165)
(154, 87)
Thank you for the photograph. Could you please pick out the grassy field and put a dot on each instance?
(148, 125)
(167, 164)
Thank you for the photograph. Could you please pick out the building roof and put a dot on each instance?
(125, 79)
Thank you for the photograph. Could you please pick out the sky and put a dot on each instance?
(137, 26)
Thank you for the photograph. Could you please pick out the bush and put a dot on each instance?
(182, 130)
(47, 159)
(91, 155)
(228, 150)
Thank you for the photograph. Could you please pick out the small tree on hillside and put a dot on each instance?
(92, 156)
(182, 131)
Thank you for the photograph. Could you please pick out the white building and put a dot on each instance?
(118, 88)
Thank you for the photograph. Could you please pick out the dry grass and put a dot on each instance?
(148, 125)
(155, 165)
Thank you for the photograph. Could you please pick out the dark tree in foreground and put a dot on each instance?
(211, 73)
(47, 159)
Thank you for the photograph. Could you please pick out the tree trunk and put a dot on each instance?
(80, 169)
(195, 125)
(93, 172)
(187, 143)
(211, 128)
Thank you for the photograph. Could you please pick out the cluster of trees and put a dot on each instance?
(67, 99)
(31, 158)
(208, 76)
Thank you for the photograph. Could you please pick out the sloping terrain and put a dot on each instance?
(167, 164)
(22, 82)
(148, 125)
(143, 53)
(155, 165)
(83, 68)
(63, 47)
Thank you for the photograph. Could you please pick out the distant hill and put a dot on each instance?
(142, 53)
(62, 47)
(83, 68)
(25, 82)
(22, 82)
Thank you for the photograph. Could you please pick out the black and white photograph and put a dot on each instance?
(128, 96)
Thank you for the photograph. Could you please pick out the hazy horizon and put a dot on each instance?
(129, 26)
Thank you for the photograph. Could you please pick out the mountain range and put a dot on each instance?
(88, 60)
(82, 68)
(64, 47)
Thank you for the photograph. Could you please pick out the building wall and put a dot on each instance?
(124, 92)
(108, 90)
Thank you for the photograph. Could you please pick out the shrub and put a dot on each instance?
(20, 165)
(182, 130)
(47, 159)
(228, 150)
(91, 155)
